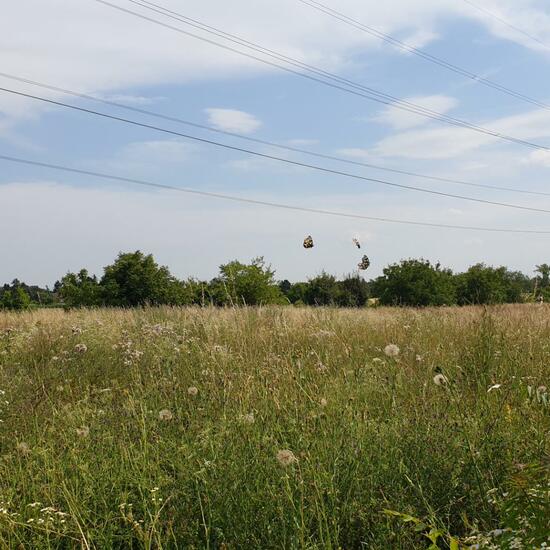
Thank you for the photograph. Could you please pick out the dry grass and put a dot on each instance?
(163, 428)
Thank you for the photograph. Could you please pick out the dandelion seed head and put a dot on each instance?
(192, 390)
(165, 414)
(81, 348)
(286, 457)
(248, 418)
(391, 350)
(323, 402)
(23, 448)
(83, 431)
(321, 367)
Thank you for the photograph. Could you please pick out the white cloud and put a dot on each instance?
(157, 150)
(93, 48)
(448, 142)
(420, 38)
(532, 20)
(355, 152)
(231, 120)
(302, 142)
(129, 99)
(542, 158)
(401, 120)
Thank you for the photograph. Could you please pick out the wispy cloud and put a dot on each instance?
(232, 120)
(401, 120)
(448, 142)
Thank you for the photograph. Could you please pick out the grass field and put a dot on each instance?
(274, 428)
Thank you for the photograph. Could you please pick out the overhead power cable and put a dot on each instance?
(417, 51)
(322, 169)
(334, 81)
(234, 198)
(266, 142)
(507, 23)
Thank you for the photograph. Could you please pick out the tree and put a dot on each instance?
(415, 283)
(352, 291)
(544, 270)
(321, 290)
(16, 299)
(246, 284)
(80, 290)
(135, 279)
(483, 284)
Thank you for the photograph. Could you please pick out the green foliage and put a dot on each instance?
(80, 290)
(135, 279)
(435, 535)
(88, 460)
(15, 298)
(483, 284)
(415, 283)
(523, 504)
(544, 271)
(246, 284)
(321, 290)
(352, 291)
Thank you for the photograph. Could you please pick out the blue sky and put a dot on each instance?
(56, 222)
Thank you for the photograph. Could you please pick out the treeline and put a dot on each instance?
(135, 279)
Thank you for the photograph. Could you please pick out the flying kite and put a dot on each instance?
(356, 243)
(308, 242)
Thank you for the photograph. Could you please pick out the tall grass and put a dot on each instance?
(161, 428)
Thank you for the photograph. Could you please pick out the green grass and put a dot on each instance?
(86, 461)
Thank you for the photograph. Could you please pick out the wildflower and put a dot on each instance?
(321, 367)
(286, 457)
(165, 414)
(323, 402)
(192, 390)
(81, 348)
(391, 350)
(83, 431)
(248, 418)
(23, 448)
(494, 387)
(440, 380)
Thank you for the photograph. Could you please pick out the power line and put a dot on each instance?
(272, 157)
(507, 23)
(266, 142)
(345, 84)
(419, 52)
(233, 198)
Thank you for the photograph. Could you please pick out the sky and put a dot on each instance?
(53, 222)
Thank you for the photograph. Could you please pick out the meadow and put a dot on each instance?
(275, 427)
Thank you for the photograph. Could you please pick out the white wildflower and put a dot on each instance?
(83, 431)
(286, 457)
(391, 350)
(165, 414)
